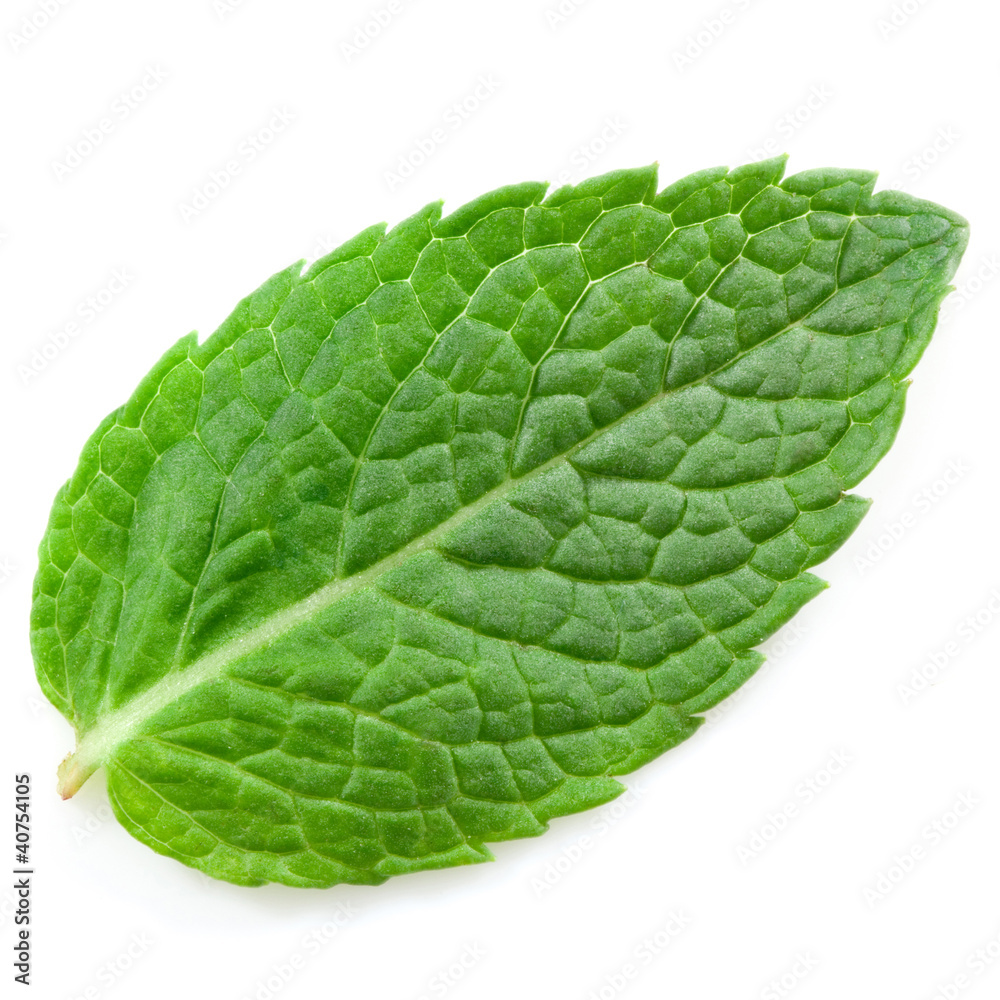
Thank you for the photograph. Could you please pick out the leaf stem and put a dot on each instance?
(72, 774)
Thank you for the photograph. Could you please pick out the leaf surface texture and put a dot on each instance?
(434, 538)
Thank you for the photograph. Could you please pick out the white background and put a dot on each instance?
(911, 94)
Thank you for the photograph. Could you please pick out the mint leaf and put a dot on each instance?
(431, 540)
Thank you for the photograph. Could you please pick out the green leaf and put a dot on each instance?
(431, 540)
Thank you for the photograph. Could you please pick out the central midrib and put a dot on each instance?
(97, 743)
